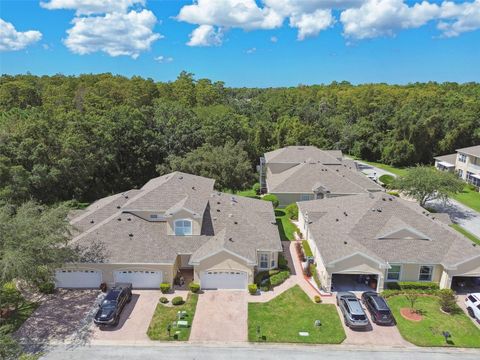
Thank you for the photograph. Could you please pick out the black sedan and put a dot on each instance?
(378, 308)
(113, 304)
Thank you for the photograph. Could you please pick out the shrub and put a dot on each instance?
(413, 285)
(386, 180)
(301, 255)
(272, 198)
(393, 193)
(306, 248)
(165, 287)
(194, 287)
(279, 278)
(317, 299)
(177, 300)
(256, 188)
(46, 287)
(252, 289)
(262, 275)
(282, 262)
(163, 300)
(314, 272)
(292, 211)
(447, 300)
(9, 295)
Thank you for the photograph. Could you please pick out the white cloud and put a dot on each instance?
(88, 7)
(464, 17)
(163, 59)
(274, 39)
(251, 50)
(311, 24)
(115, 34)
(206, 35)
(13, 40)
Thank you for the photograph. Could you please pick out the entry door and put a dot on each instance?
(215, 279)
(140, 279)
(78, 279)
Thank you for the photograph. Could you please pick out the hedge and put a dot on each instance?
(412, 285)
(279, 278)
(194, 287)
(252, 289)
(273, 199)
(165, 287)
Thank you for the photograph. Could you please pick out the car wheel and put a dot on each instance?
(470, 312)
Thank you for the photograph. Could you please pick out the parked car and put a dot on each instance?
(112, 305)
(472, 302)
(378, 308)
(352, 310)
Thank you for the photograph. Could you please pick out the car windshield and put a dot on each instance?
(384, 312)
(108, 303)
(358, 317)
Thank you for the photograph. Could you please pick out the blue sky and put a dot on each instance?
(242, 53)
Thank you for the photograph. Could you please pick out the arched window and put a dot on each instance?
(183, 227)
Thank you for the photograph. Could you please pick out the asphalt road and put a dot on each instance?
(250, 352)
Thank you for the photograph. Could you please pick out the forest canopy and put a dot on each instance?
(87, 136)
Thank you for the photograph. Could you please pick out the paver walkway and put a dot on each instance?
(221, 316)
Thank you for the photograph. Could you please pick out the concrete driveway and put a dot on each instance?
(134, 320)
(461, 304)
(374, 335)
(63, 316)
(222, 316)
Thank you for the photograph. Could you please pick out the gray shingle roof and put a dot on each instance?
(298, 154)
(247, 224)
(450, 158)
(337, 179)
(472, 150)
(354, 223)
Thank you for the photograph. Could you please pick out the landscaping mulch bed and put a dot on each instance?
(411, 315)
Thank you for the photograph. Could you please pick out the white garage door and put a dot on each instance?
(78, 279)
(140, 279)
(215, 279)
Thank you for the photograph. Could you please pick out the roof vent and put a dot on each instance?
(129, 219)
(234, 199)
(379, 210)
(126, 196)
(218, 210)
(384, 199)
(180, 177)
(336, 219)
(345, 213)
(337, 170)
(235, 222)
(92, 221)
(118, 206)
(273, 222)
(193, 187)
(218, 202)
(119, 219)
(230, 239)
(345, 243)
(131, 234)
(390, 199)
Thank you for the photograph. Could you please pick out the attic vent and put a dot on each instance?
(180, 177)
(337, 170)
(125, 196)
(235, 222)
(131, 235)
(379, 210)
(118, 206)
(193, 187)
(218, 210)
(119, 219)
(384, 199)
(129, 219)
(345, 213)
(92, 221)
(345, 243)
(230, 239)
(218, 202)
(153, 216)
(336, 219)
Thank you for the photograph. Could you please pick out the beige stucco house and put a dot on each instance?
(465, 163)
(302, 173)
(371, 239)
(175, 225)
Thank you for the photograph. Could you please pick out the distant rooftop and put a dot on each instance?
(472, 150)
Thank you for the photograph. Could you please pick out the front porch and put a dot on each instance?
(183, 278)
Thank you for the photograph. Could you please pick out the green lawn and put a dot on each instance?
(282, 318)
(165, 315)
(285, 226)
(248, 193)
(428, 332)
(399, 171)
(466, 233)
(469, 197)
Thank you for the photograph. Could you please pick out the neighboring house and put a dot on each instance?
(465, 162)
(301, 173)
(385, 238)
(175, 224)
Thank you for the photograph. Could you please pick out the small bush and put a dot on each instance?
(163, 300)
(317, 299)
(447, 300)
(413, 285)
(282, 262)
(292, 211)
(306, 248)
(194, 287)
(256, 188)
(273, 272)
(262, 275)
(252, 289)
(273, 199)
(279, 278)
(177, 300)
(165, 287)
(393, 193)
(387, 180)
(46, 287)
(300, 254)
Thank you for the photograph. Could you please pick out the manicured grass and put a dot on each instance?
(165, 315)
(285, 226)
(248, 193)
(399, 171)
(428, 332)
(469, 197)
(466, 233)
(282, 318)
(386, 179)
(306, 248)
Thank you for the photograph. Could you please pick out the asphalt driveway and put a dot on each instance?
(221, 315)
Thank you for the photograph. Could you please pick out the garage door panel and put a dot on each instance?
(78, 279)
(228, 279)
(140, 279)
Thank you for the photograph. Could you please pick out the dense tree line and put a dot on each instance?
(83, 137)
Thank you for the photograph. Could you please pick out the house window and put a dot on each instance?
(460, 173)
(263, 261)
(306, 197)
(393, 274)
(462, 158)
(426, 273)
(183, 227)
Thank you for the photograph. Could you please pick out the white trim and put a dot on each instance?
(382, 265)
(171, 213)
(183, 220)
(249, 262)
(464, 261)
(400, 273)
(432, 272)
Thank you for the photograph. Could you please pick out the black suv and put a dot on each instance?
(378, 308)
(113, 304)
